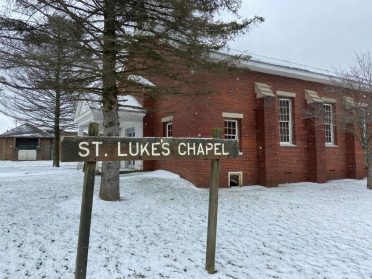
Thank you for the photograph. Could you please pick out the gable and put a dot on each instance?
(81, 109)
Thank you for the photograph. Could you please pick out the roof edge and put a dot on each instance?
(274, 69)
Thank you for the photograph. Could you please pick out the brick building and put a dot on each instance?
(263, 106)
(26, 142)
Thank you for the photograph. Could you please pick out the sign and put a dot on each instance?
(94, 148)
(91, 149)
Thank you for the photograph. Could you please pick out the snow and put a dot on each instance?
(140, 80)
(158, 230)
(128, 100)
(94, 101)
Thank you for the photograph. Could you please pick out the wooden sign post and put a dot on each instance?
(212, 211)
(86, 212)
(94, 148)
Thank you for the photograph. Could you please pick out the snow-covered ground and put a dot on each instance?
(158, 230)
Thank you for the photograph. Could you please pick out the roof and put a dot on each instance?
(287, 71)
(282, 68)
(126, 102)
(140, 80)
(26, 131)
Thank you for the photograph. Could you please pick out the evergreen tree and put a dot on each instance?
(166, 39)
(38, 70)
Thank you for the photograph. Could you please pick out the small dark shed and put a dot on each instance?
(26, 142)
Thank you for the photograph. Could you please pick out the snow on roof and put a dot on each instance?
(126, 102)
(280, 67)
(140, 80)
(26, 131)
(289, 64)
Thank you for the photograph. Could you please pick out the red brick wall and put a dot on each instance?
(195, 116)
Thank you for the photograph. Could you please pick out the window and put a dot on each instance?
(231, 129)
(328, 124)
(285, 121)
(168, 129)
(235, 179)
(167, 126)
(130, 133)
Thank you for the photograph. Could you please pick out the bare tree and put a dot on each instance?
(166, 39)
(38, 72)
(355, 87)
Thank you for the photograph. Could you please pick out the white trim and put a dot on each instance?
(232, 115)
(328, 100)
(282, 70)
(330, 145)
(287, 144)
(285, 71)
(167, 119)
(167, 124)
(290, 135)
(291, 71)
(236, 127)
(331, 124)
(286, 94)
(240, 173)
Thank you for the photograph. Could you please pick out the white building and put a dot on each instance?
(131, 116)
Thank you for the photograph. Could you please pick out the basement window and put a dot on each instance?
(235, 179)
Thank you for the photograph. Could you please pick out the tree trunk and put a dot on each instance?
(109, 189)
(369, 170)
(57, 136)
(57, 109)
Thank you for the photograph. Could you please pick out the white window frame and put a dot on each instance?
(130, 130)
(239, 173)
(236, 136)
(290, 125)
(331, 124)
(167, 125)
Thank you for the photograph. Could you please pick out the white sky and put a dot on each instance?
(320, 33)
(317, 33)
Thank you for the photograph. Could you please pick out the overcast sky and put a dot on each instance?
(319, 33)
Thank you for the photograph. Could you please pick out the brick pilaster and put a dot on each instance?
(316, 161)
(148, 127)
(267, 138)
(351, 171)
(354, 161)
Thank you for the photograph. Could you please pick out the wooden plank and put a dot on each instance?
(212, 211)
(90, 149)
(86, 213)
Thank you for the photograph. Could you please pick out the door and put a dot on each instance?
(27, 155)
